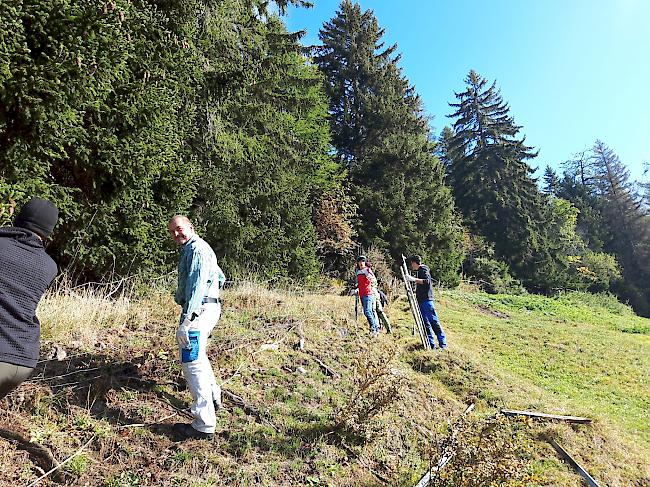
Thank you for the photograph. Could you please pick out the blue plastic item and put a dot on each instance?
(192, 353)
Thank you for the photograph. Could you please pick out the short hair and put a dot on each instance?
(416, 258)
(183, 218)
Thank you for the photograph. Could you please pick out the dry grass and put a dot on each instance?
(79, 315)
(122, 370)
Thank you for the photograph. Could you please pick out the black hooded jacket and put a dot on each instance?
(25, 273)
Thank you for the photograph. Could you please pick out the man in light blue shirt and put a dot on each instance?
(199, 281)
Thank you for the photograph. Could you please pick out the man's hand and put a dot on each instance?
(182, 335)
(410, 278)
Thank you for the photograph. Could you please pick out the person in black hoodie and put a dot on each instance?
(26, 271)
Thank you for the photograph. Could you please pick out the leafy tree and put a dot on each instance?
(334, 213)
(575, 265)
(381, 135)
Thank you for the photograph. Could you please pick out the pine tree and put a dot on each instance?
(493, 184)
(262, 150)
(624, 215)
(551, 181)
(381, 135)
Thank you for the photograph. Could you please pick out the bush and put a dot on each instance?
(376, 386)
(490, 452)
(494, 276)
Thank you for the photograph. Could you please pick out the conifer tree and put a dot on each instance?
(129, 112)
(379, 132)
(95, 108)
(645, 186)
(629, 227)
(551, 181)
(262, 150)
(492, 182)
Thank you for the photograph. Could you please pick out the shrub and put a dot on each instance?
(494, 276)
(376, 386)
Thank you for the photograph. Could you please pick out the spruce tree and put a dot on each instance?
(492, 182)
(95, 108)
(262, 150)
(127, 113)
(628, 223)
(645, 186)
(551, 181)
(379, 132)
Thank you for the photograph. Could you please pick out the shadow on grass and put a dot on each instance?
(84, 380)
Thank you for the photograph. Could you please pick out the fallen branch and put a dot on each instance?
(534, 414)
(74, 372)
(144, 425)
(326, 368)
(373, 471)
(576, 466)
(41, 456)
(445, 459)
(78, 382)
(63, 462)
(180, 410)
(426, 479)
(248, 408)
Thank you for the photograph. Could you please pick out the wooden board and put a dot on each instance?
(576, 466)
(535, 414)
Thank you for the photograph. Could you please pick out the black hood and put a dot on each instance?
(22, 235)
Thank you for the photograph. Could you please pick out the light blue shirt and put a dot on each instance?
(199, 276)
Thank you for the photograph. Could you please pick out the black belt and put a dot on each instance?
(210, 301)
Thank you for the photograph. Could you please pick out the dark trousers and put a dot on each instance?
(11, 376)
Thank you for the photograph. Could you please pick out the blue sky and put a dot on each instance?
(572, 71)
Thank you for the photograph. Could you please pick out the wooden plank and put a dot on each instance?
(576, 466)
(426, 478)
(415, 309)
(535, 414)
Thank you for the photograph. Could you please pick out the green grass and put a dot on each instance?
(577, 350)
(576, 354)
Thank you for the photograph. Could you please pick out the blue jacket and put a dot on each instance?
(199, 276)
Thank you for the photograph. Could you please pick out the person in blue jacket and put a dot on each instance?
(199, 282)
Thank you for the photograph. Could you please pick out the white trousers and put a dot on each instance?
(199, 374)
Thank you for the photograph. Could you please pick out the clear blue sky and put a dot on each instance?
(572, 71)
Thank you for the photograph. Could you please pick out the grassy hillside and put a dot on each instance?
(344, 409)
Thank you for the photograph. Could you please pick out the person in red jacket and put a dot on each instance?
(365, 279)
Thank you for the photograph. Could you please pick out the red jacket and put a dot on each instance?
(365, 285)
